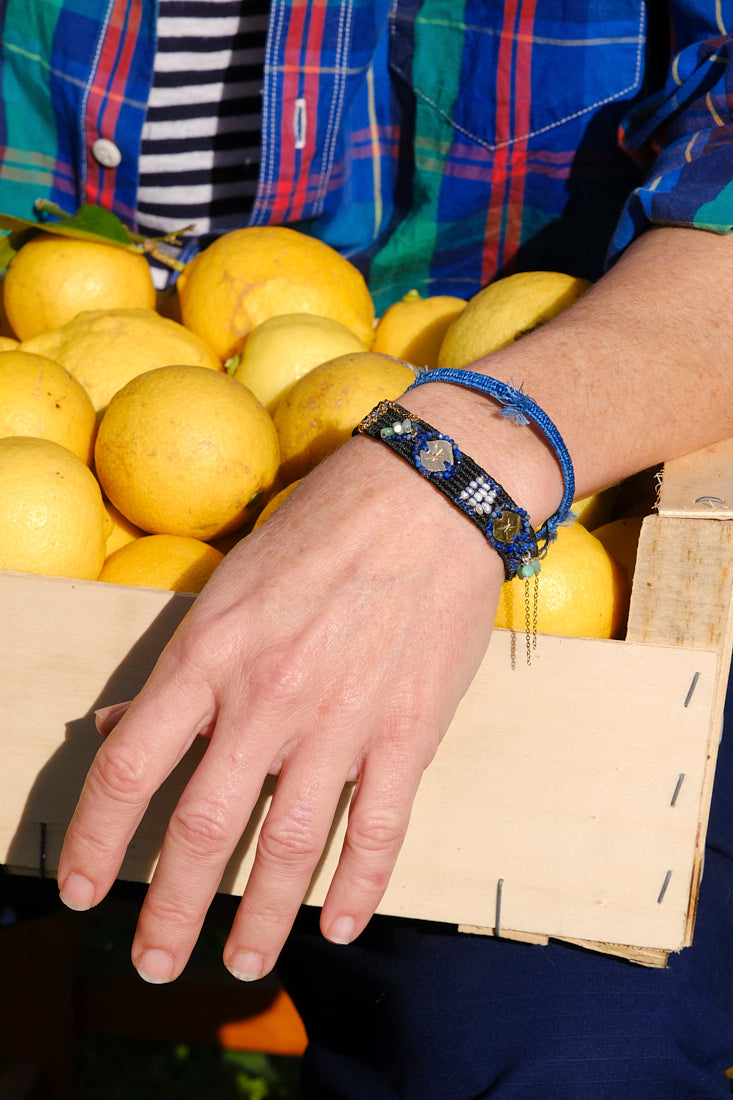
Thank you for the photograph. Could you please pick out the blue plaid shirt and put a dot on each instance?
(437, 143)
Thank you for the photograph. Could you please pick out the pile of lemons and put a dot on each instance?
(138, 442)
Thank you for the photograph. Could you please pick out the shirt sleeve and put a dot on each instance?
(683, 134)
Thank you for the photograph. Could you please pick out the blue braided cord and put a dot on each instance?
(520, 408)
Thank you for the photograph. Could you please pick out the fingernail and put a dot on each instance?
(106, 718)
(156, 966)
(77, 892)
(247, 966)
(342, 930)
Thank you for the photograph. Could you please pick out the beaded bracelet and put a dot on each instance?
(503, 523)
(520, 408)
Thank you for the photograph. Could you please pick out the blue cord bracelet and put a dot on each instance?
(520, 408)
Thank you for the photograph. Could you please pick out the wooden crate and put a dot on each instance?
(569, 799)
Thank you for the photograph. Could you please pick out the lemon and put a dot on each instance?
(582, 590)
(322, 409)
(51, 512)
(104, 349)
(38, 397)
(505, 310)
(8, 343)
(620, 537)
(414, 327)
(119, 530)
(181, 450)
(282, 349)
(257, 272)
(177, 562)
(53, 277)
(597, 508)
(273, 504)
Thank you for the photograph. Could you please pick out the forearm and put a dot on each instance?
(637, 371)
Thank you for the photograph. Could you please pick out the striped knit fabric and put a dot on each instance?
(201, 137)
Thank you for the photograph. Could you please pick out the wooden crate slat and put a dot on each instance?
(686, 600)
(699, 485)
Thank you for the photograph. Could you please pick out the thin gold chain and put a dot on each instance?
(530, 616)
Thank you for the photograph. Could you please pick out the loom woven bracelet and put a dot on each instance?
(434, 455)
(519, 407)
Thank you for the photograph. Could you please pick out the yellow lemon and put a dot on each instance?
(275, 502)
(284, 348)
(39, 397)
(597, 508)
(414, 328)
(53, 277)
(105, 348)
(51, 512)
(8, 343)
(321, 410)
(181, 451)
(162, 561)
(582, 590)
(119, 529)
(250, 274)
(505, 310)
(620, 537)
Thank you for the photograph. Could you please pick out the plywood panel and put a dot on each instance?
(556, 779)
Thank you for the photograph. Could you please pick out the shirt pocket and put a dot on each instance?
(498, 77)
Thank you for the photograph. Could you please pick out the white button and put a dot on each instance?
(106, 153)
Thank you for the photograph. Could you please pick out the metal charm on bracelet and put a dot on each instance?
(437, 458)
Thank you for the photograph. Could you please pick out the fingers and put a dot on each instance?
(206, 826)
(202, 833)
(292, 841)
(134, 760)
(378, 819)
(317, 738)
(212, 815)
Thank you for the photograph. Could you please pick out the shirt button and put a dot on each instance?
(106, 153)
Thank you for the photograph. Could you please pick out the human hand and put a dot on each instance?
(332, 645)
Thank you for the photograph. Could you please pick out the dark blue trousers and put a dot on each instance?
(415, 1011)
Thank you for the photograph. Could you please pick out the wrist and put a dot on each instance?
(518, 456)
(437, 458)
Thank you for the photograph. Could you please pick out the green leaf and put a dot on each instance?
(11, 243)
(7, 221)
(89, 223)
(89, 220)
(98, 221)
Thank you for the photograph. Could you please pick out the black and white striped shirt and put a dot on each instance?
(201, 138)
